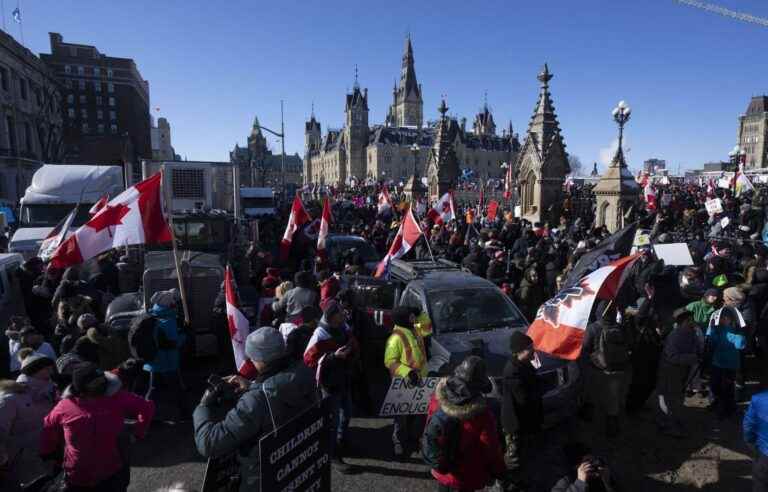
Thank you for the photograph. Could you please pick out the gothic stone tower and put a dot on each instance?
(615, 193)
(542, 163)
(443, 165)
(356, 132)
(312, 140)
(407, 105)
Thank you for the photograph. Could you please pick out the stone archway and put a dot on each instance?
(602, 214)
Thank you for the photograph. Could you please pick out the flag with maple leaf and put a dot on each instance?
(561, 322)
(135, 216)
(239, 327)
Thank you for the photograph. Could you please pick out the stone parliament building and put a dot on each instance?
(361, 151)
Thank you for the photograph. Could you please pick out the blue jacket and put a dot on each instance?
(291, 391)
(755, 422)
(167, 360)
(727, 343)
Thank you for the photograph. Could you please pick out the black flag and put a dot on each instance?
(610, 249)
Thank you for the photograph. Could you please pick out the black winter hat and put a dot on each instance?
(473, 371)
(519, 341)
(83, 375)
(401, 315)
(86, 349)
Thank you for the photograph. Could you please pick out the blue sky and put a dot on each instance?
(212, 66)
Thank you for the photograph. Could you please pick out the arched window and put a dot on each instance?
(603, 213)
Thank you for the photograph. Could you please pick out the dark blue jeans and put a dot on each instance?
(724, 388)
(340, 407)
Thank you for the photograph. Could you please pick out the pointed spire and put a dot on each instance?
(545, 76)
(356, 84)
(312, 114)
(544, 125)
(485, 101)
(408, 82)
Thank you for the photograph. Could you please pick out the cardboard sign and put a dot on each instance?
(296, 456)
(642, 238)
(714, 206)
(674, 254)
(403, 399)
(222, 474)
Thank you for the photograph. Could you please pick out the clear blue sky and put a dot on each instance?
(212, 66)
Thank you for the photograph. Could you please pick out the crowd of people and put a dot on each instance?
(697, 331)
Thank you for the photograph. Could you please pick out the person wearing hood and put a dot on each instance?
(521, 407)
(405, 357)
(283, 389)
(94, 400)
(299, 297)
(531, 294)
(23, 405)
(461, 439)
(332, 351)
(476, 261)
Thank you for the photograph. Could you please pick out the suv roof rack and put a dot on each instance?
(411, 270)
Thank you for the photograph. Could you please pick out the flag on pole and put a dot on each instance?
(493, 210)
(406, 237)
(385, 203)
(508, 183)
(649, 193)
(56, 236)
(298, 218)
(135, 216)
(325, 224)
(98, 205)
(610, 249)
(561, 322)
(239, 327)
(443, 211)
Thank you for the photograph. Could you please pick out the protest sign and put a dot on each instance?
(222, 474)
(714, 206)
(403, 399)
(674, 254)
(296, 457)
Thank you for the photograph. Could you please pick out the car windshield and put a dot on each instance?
(49, 214)
(472, 309)
(342, 248)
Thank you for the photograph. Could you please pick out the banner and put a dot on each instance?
(676, 254)
(403, 399)
(296, 457)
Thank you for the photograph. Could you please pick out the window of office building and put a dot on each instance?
(110, 87)
(100, 128)
(111, 101)
(71, 112)
(23, 88)
(113, 128)
(81, 85)
(99, 101)
(80, 70)
(96, 72)
(113, 115)
(85, 128)
(109, 73)
(70, 99)
(82, 99)
(97, 86)
(84, 113)
(99, 114)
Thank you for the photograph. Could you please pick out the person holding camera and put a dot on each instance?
(282, 390)
(405, 357)
(592, 474)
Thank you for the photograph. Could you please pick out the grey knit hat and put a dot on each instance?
(265, 345)
(34, 361)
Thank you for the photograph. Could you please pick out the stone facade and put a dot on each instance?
(542, 163)
(362, 151)
(753, 132)
(615, 193)
(162, 150)
(260, 167)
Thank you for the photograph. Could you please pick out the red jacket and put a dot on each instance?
(89, 429)
(480, 456)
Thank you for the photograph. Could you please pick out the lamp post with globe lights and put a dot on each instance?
(621, 114)
(737, 156)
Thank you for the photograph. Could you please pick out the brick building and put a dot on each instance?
(105, 104)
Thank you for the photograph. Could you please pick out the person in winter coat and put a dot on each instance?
(476, 261)
(531, 294)
(702, 309)
(589, 473)
(469, 457)
(332, 351)
(299, 297)
(726, 338)
(755, 429)
(92, 459)
(497, 268)
(283, 389)
(23, 405)
(521, 406)
(406, 358)
(682, 349)
(27, 337)
(329, 287)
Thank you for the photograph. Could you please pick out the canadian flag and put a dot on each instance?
(298, 218)
(239, 328)
(135, 216)
(710, 188)
(650, 197)
(561, 322)
(325, 224)
(56, 236)
(98, 205)
(385, 203)
(508, 183)
(443, 210)
(407, 236)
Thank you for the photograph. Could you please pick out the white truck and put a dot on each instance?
(55, 190)
(257, 202)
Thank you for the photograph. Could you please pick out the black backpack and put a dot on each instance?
(440, 442)
(611, 350)
(141, 337)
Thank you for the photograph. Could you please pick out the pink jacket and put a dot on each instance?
(90, 428)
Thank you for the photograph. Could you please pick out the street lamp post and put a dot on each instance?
(281, 136)
(738, 155)
(621, 114)
(415, 152)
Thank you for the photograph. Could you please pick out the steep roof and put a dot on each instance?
(408, 83)
(544, 129)
(758, 104)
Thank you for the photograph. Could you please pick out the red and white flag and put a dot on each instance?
(385, 203)
(325, 225)
(135, 216)
(642, 179)
(561, 322)
(56, 236)
(298, 218)
(649, 193)
(481, 200)
(98, 205)
(239, 328)
(508, 183)
(710, 188)
(407, 236)
(443, 210)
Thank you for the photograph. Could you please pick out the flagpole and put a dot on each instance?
(176, 260)
(426, 240)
